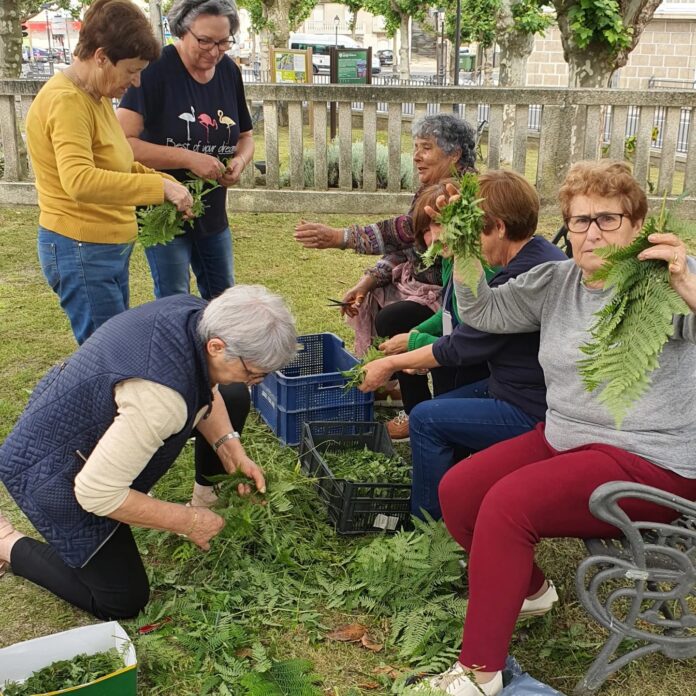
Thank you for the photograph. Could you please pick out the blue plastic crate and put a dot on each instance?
(311, 388)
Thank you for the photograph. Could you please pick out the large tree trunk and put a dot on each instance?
(515, 49)
(594, 65)
(11, 68)
(278, 16)
(10, 40)
(404, 64)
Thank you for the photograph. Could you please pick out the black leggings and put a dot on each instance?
(114, 584)
(401, 317)
(237, 400)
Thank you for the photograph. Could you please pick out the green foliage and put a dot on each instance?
(599, 22)
(478, 21)
(287, 678)
(159, 224)
(530, 18)
(357, 160)
(633, 327)
(402, 572)
(462, 223)
(64, 674)
(356, 375)
(366, 466)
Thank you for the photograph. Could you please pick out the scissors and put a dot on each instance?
(338, 303)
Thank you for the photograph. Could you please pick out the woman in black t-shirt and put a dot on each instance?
(189, 115)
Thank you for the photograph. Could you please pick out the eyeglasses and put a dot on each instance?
(208, 44)
(607, 222)
(253, 376)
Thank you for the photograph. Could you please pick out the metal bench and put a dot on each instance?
(641, 587)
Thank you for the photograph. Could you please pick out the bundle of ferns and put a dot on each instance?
(462, 223)
(356, 375)
(633, 327)
(159, 224)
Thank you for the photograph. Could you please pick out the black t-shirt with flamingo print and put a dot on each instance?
(178, 111)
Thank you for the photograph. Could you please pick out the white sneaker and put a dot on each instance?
(457, 682)
(541, 605)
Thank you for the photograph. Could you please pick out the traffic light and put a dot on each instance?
(25, 29)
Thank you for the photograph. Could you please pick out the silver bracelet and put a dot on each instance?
(346, 234)
(234, 435)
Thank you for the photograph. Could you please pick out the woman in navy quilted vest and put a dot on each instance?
(104, 426)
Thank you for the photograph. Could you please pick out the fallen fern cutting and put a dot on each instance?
(462, 223)
(159, 224)
(633, 327)
(66, 674)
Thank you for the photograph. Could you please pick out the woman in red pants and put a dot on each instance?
(500, 502)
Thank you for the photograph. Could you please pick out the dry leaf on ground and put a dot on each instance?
(350, 633)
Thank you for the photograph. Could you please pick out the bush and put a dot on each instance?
(357, 159)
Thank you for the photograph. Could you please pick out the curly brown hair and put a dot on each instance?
(120, 28)
(608, 179)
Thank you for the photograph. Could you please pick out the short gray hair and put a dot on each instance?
(183, 13)
(451, 134)
(255, 325)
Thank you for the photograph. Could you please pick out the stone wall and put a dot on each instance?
(667, 49)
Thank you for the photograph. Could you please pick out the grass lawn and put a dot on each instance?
(278, 579)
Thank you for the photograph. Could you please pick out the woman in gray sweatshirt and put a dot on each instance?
(500, 502)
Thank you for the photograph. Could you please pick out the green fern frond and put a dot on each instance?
(631, 330)
(287, 678)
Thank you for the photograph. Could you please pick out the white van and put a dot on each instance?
(321, 47)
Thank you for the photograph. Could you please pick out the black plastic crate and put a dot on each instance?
(354, 507)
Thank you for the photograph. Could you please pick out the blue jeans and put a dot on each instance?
(449, 428)
(90, 279)
(210, 257)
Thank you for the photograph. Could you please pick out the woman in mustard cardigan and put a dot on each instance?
(87, 181)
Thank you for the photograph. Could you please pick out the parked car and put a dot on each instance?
(386, 57)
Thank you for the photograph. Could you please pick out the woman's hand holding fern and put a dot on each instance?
(376, 373)
(205, 525)
(669, 248)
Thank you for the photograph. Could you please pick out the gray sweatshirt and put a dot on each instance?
(550, 298)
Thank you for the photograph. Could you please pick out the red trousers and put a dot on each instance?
(500, 502)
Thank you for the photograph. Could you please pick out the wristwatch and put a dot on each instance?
(234, 435)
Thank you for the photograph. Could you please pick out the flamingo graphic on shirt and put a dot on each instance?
(227, 121)
(207, 123)
(189, 118)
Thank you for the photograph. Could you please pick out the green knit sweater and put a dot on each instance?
(428, 331)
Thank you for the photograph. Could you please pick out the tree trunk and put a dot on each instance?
(404, 66)
(11, 68)
(155, 7)
(594, 65)
(278, 16)
(10, 40)
(515, 49)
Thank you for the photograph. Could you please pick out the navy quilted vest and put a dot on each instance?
(73, 405)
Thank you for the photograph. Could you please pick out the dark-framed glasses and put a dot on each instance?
(253, 376)
(207, 44)
(607, 222)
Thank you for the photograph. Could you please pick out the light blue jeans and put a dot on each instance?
(449, 428)
(90, 279)
(210, 257)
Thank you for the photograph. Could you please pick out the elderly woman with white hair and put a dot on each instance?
(397, 294)
(104, 426)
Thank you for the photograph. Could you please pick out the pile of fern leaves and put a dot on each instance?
(633, 327)
(159, 224)
(462, 223)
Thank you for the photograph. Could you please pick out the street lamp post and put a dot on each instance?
(337, 21)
